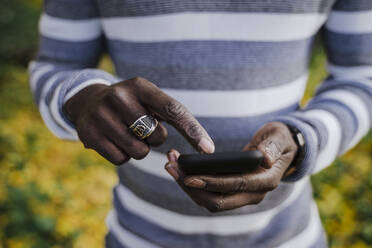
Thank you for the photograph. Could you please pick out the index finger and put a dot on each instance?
(176, 114)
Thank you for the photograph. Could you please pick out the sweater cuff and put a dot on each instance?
(71, 87)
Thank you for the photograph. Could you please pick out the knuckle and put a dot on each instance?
(114, 91)
(177, 113)
(241, 185)
(131, 143)
(158, 137)
(162, 139)
(141, 152)
(272, 150)
(174, 110)
(113, 94)
(119, 160)
(99, 113)
(158, 141)
(118, 95)
(193, 130)
(137, 81)
(219, 184)
(86, 136)
(217, 206)
(115, 157)
(275, 147)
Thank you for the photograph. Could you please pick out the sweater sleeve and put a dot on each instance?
(71, 43)
(340, 113)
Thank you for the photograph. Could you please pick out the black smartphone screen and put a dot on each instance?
(220, 163)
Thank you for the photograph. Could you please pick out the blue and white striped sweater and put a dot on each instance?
(235, 65)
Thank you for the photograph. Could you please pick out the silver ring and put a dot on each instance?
(144, 126)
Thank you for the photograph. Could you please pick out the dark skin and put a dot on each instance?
(219, 193)
(102, 115)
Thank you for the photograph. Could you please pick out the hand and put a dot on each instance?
(225, 192)
(103, 113)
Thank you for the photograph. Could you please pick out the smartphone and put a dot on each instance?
(220, 163)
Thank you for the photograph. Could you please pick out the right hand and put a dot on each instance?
(102, 115)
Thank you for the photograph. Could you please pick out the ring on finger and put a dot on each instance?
(144, 126)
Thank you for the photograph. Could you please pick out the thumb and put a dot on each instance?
(249, 147)
(172, 166)
(253, 146)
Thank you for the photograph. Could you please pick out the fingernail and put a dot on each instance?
(195, 183)
(172, 171)
(206, 145)
(172, 157)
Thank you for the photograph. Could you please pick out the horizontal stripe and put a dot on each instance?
(203, 78)
(348, 49)
(359, 108)
(309, 235)
(71, 9)
(343, 114)
(124, 236)
(213, 26)
(285, 225)
(110, 8)
(330, 150)
(211, 54)
(70, 55)
(168, 195)
(221, 225)
(240, 103)
(69, 30)
(359, 87)
(353, 5)
(282, 227)
(350, 22)
(365, 97)
(350, 71)
(360, 84)
(203, 64)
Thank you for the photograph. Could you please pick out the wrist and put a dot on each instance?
(299, 139)
(78, 102)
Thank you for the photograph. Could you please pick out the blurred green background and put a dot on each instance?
(54, 193)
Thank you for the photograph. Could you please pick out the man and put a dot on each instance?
(220, 76)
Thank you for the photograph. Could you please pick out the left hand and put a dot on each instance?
(225, 192)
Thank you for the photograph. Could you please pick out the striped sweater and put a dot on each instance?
(236, 65)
